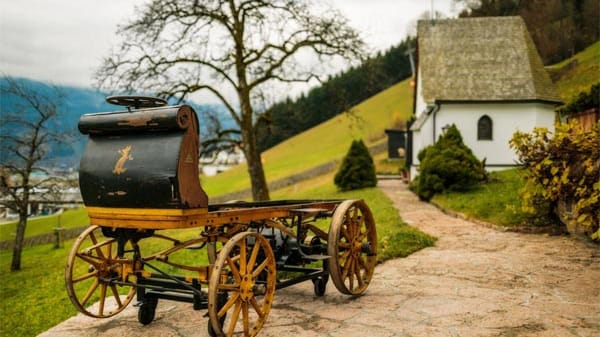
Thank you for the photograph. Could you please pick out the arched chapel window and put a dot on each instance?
(484, 128)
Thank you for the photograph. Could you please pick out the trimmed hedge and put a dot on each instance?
(357, 170)
(447, 165)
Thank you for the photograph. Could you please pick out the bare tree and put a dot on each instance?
(175, 48)
(24, 141)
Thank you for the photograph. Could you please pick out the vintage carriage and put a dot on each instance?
(153, 234)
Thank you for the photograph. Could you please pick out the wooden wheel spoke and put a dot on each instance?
(346, 268)
(246, 318)
(344, 231)
(90, 292)
(97, 247)
(102, 299)
(85, 276)
(362, 263)
(253, 256)
(358, 276)
(109, 250)
(361, 222)
(234, 318)
(229, 287)
(361, 236)
(354, 214)
(351, 275)
(257, 307)
(344, 245)
(232, 300)
(93, 260)
(243, 256)
(344, 255)
(234, 270)
(261, 267)
(115, 293)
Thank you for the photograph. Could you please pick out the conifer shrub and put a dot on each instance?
(357, 170)
(447, 165)
(562, 172)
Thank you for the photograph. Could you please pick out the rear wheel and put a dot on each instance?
(92, 269)
(352, 247)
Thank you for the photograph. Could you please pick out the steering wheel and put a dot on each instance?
(136, 102)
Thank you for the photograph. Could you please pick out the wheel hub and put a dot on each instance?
(247, 287)
(356, 248)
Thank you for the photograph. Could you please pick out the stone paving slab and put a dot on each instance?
(477, 281)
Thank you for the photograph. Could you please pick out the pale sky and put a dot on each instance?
(63, 41)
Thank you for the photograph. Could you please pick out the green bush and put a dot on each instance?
(584, 101)
(447, 165)
(357, 170)
(562, 170)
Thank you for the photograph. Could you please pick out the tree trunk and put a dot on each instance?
(18, 247)
(260, 190)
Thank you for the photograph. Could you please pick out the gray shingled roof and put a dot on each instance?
(481, 59)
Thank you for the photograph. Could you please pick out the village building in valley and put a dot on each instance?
(485, 76)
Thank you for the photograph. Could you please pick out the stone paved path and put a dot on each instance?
(476, 281)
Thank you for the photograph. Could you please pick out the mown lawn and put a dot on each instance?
(70, 218)
(497, 201)
(34, 299)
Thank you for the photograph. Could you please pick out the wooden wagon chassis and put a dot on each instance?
(246, 245)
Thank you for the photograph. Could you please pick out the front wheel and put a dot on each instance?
(244, 274)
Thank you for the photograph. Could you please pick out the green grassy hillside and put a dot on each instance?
(42, 225)
(573, 79)
(325, 142)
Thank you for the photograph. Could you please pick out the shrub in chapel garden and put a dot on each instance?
(563, 169)
(585, 100)
(357, 170)
(447, 165)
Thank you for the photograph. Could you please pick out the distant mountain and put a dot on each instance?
(79, 101)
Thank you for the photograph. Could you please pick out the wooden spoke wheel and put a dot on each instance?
(352, 245)
(244, 273)
(92, 267)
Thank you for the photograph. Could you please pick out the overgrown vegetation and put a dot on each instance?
(576, 74)
(357, 170)
(584, 101)
(562, 168)
(447, 165)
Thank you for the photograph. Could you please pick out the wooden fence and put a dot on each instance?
(54, 237)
